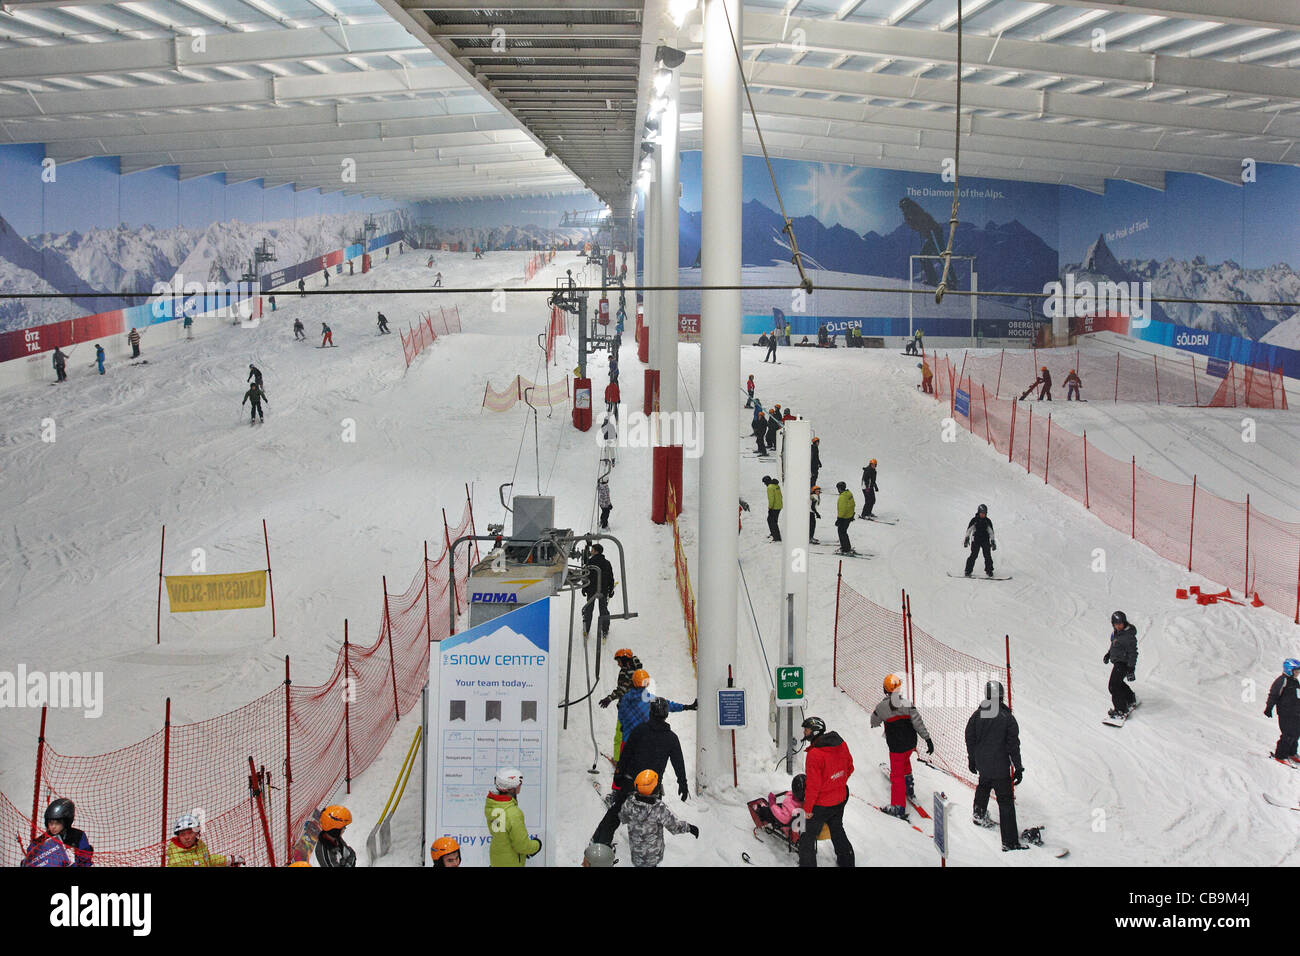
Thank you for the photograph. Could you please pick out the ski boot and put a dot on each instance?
(1014, 846)
(967, 574)
(899, 812)
(1112, 713)
(1032, 835)
(983, 820)
(911, 788)
(813, 541)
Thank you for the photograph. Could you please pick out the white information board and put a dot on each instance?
(490, 706)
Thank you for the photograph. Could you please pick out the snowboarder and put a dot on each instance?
(816, 458)
(927, 378)
(254, 375)
(771, 348)
(628, 667)
(60, 365)
(133, 337)
(1045, 380)
(61, 844)
(445, 852)
(299, 334)
(1122, 655)
(760, 430)
(869, 489)
(1285, 696)
(437, 281)
(186, 849)
(99, 358)
(302, 288)
(652, 747)
(1072, 386)
(511, 843)
(827, 769)
(845, 509)
(327, 335)
(911, 348)
(383, 324)
(646, 818)
(602, 499)
(993, 752)
(598, 589)
(256, 396)
(903, 725)
(326, 274)
(773, 506)
(331, 849)
(749, 391)
(612, 397)
(634, 706)
(814, 502)
(980, 537)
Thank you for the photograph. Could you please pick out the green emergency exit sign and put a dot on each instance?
(789, 686)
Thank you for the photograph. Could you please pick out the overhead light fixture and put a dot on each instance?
(678, 10)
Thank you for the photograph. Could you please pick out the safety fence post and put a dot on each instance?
(985, 396)
(288, 764)
(392, 665)
(997, 390)
(1156, 362)
(40, 762)
(1086, 503)
(1012, 443)
(166, 776)
(1029, 454)
(270, 581)
(347, 713)
(1007, 637)
(1117, 376)
(835, 642)
(162, 548)
(1047, 462)
(1133, 507)
(1245, 588)
(1191, 534)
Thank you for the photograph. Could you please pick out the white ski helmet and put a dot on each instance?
(186, 821)
(507, 780)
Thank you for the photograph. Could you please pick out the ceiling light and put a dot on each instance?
(678, 10)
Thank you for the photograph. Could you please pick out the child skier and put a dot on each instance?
(511, 843)
(869, 488)
(327, 335)
(773, 506)
(254, 395)
(331, 849)
(760, 430)
(603, 500)
(845, 509)
(646, 818)
(1122, 655)
(749, 391)
(1072, 385)
(298, 333)
(814, 502)
(1285, 696)
(383, 324)
(980, 537)
(99, 358)
(186, 849)
(903, 724)
(61, 844)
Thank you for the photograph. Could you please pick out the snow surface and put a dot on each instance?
(167, 443)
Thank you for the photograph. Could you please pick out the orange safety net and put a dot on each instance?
(684, 590)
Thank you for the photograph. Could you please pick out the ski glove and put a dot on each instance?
(966, 542)
(694, 830)
(1106, 659)
(1268, 711)
(606, 701)
(929, 745)
(683, 790)
(538, 850)
(693, 705)
(1131, 676)
(973, 768)
(744, 505)
(1019, 776)
(993, 545)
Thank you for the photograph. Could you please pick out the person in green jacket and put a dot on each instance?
(511, 844)
(773, 506)
(845, 510)
(186, 849)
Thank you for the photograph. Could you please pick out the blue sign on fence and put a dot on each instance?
(941, 824)
(731, 709)
(1217, 367)
(961, 404)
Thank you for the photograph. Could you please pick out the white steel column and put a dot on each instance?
(669, 168)
(652, 215)
(719, 490)
(796, 469)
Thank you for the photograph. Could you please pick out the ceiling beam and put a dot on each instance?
(1276, 14)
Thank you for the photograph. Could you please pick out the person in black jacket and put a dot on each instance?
(1122, 655)
(651, 746)
(599, 588)
(383, 324)
(1285, 696)
(993, 752)
(979, 537)
(760, 432)
(773, 425)
(869, 489)
(331, 849)
(1045, 380)
(816, 459)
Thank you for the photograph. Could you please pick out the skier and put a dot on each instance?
(429, 264)
(773, 425)
(302, 288)
(609, 438)
(749, 391)
(845, 509)
(99, 358)
(827, 769)
(788, 416)
(254, 395)
(993, 752)
(61, 844)
(773, 506)
(652, 747)
(254, 375)
(647, 818)
(910, 348)
(189, 326)
(326, 274)
(511, 842)
(1285, 696)
(903, 724)
(331, 849)
(602, 499)
(383, 324)
(786, 340)
(327, 335)
(186, 849)
(445, 852)
(598, 589)
(869, 489)
(760, 430)
(60, 365)
(1072, 386)
(1123, 658)
(612, 397)
(1045, 379)
(634, 707)
(919, 341)
(298, 334)
(771, 348)
(133, 337)
(814, 502)
(272, 298)
(816, 458)
(980, 537)
(437, 280)
(927, 378)
(628, 666)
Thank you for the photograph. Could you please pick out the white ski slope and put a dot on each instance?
(167, 442)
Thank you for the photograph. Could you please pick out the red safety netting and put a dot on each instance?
(536, 262)
(1226, 541)
(304, 741)
(683, 573)
(427, 331)
(555, 327)
(946, 685)
(1124, 378)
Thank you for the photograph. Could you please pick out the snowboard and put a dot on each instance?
(996, 577)
(141, 362)
(306, 844)
(1033, 836)
(879, 520)
(1120, 721)
(884, 768)
(1269, 798)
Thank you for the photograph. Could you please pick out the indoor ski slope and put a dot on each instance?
(168, 443)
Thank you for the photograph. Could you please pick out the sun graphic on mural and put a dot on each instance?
(831, 193)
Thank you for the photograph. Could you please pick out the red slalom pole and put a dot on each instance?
(162, 548)
(270, 582)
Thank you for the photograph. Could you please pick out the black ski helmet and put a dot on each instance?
(993, 691)
(982, 510)
(816, 725)
(799, 785)
(840, 486)
(1120, 618)
(62, 810)
(659, 708)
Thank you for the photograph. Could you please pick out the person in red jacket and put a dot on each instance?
(828, 767)
(612, 398)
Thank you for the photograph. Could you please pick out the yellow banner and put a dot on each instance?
(216, 592)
